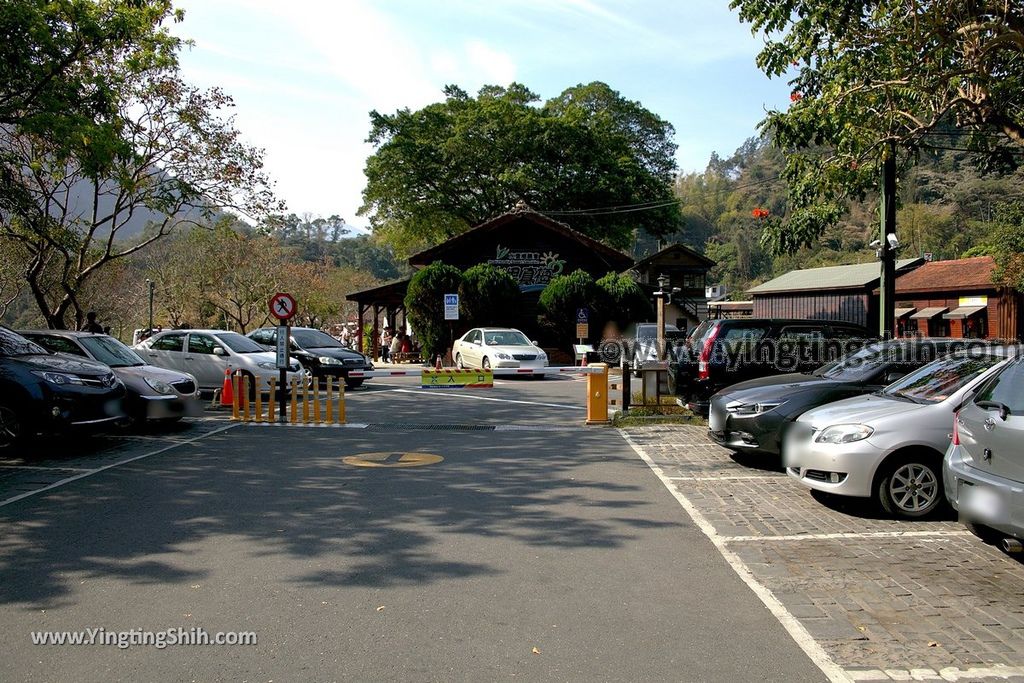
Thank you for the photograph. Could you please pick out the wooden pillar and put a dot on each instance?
(375, 341)
(359, 330)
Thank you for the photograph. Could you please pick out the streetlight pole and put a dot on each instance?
(661, 295)
(152, 286)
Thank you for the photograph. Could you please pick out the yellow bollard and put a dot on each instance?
(259, 400)
(272, 401)
(295, 401)
(597, 395)
(341, 402)
(316, 401)
(330, 400)
(245, 398)
(305, 403)
(236, 395)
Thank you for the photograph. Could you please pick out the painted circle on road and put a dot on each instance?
(391, 459)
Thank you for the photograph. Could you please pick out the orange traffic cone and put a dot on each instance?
(437, 363)
(584, 363)
(227, 394)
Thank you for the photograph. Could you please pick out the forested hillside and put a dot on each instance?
(948, 207)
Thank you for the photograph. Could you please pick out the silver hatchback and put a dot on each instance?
(984, 466)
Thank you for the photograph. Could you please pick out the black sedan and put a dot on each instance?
(153, 393)
(319, 353)
(40, 391)
(753, 416)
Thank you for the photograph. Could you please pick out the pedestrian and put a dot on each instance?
(385, 345)
(91, 325)
(396, 346)
(346, 338)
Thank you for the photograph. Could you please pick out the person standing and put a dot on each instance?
(91, 325)
(385, 345)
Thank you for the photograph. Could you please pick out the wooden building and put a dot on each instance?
(686, 269)
(958, 299)
(531, 247)
(845, 293)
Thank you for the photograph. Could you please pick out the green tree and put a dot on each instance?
(489, 296)
(563, 296)
(625, 301)
(1007, 245)
(873, 78)
(440, 170)
(424, 301)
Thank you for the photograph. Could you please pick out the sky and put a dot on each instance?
(305, 74)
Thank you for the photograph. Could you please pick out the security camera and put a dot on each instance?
(875, 244)
(893, 241)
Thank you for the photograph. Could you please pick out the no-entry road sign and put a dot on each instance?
(282, 306)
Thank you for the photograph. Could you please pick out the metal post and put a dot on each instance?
(887, 286)
(152, 286)
(282, 377)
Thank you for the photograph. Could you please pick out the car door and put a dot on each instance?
(167, 351)
(992, 425)
(470, 349)
(201, 361)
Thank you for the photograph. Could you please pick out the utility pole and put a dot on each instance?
(152, 286)
(888, 245)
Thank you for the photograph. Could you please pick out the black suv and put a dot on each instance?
(319, 353)
(718, 353)
(40, 391)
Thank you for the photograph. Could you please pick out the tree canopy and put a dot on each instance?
(872, 78)
(454, 164)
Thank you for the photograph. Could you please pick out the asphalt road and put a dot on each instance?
(535, 549)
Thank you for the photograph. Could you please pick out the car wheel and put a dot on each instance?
(458, 362)
(485, 363)
(12, 428)
(911, 487)
(354, 383)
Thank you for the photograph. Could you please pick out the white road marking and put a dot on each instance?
(89, 473)
(730, 477)
(796, 630)
(450, 393)
(853, 535)
(952, 673)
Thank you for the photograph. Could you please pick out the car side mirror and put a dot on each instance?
(534, 342)
(891, 377)
(218, 351)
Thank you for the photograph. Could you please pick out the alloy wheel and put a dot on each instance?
(914, 488)
(10, 427)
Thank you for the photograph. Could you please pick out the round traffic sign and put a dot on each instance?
(391, 459)
(282, 306)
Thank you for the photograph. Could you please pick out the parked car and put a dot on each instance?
(641, 339)
(206, 354)
(983, 470)
(753, 416)
(318, 352)
(43, 392)
(889, 446)
(152, 393)
(720, 353)
(497, 347)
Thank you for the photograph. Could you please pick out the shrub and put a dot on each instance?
(424, 304)
(560, 299)
(488, 296)
(626, 301)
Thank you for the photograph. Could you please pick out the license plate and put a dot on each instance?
(980, 503)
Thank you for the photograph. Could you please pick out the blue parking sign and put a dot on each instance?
(451, 306)
(582, 316)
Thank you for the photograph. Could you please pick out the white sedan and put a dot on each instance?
(497, 347)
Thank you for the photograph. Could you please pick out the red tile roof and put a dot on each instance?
(943, 276)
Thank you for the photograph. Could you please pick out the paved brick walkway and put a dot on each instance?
(885, 599)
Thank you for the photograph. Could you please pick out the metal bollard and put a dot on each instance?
(316, 401)
(305, 403)
(273, 400)
(597, 395)
(259, 401)
(236, 398)
(330, 400)
(245, 398)
(341, 402)
(295, 401)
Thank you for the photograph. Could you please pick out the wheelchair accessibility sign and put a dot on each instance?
(457, 379)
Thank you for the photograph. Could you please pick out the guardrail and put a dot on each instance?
(497, 372)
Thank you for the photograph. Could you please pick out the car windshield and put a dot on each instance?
(855, 366)
(110, 351)
(506, 338)
(315, 339)
(13, 344)
(940, 379)
(238, 343)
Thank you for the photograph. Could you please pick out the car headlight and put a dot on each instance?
(327, 360)
(755, 408)
(58, 377)
(541, 354)
(503, 356)
(159, 386)
(267, 365)
(844, 433)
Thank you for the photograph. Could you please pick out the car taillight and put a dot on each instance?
(956, 428)
(703, 372)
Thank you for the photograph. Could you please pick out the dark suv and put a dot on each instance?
(320, 354)
(719, 353)
(40, 391)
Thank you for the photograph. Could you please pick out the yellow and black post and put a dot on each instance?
(597, 394)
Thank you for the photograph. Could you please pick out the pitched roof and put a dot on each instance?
(960, 274)
(673, 248)
(612, 257)
(857, 275)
